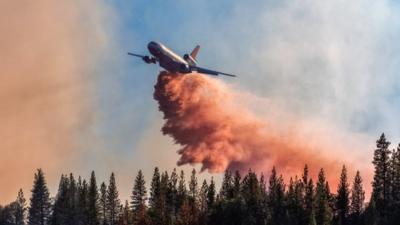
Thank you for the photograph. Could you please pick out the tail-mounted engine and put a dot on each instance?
(189, 59)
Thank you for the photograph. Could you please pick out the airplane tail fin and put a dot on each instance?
(193, 54)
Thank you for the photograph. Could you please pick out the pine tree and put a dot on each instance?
(381, 182)
(331, 199)
(263, 197)
(82, 204)
(113, 202)
(184, 215)
(20, 209)
(72, 199)
(370, 214)
(276, 199)
(125, 215)
(305, 175)
(171, 196)
(252, 199)
(322, 209)
(395, 187)
(357, 200)
(138, 202)
(263, 186)
(226, 191)
(157, 198)
(93, 201)
(181, 192)
(193, 197)
(7, 214)
(40, 207)
(155, 189)
(165, 217)
(294, 201)
(236, 184)
(211, 194)
(203, 206)
(60, 207)
(193, 189)
(103, 204)
(395, 166)
(342, 198)
(307, 192)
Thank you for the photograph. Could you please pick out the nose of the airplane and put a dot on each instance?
(153, 47)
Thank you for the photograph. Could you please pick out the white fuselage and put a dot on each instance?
(168, 59)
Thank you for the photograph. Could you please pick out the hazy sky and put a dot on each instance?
(72, 101)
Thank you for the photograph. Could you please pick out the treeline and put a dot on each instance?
(247, 199)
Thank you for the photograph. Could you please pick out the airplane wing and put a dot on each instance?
(210, 72)
(137, 55)
(147, 59)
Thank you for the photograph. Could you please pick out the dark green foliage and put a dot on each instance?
(203, 206)
(294, 202)
(20, 209)
(371, 214)
(60, 207)
(155, 190)
(309, 211)
(157, 202)
(40, 207)
(193, 188)
(252, 201)
(113, 202)
(381, 182)
(211, 194)
(323, 211)
(276, 199)
(93, 202)
(171, 196)
(82, 206)
(103, 204)
(181, 192)
(193, 198)
(184, 215)
(72, 202)
(342, 199)
(7, 214)
(125, 216)
(241, 201)
(226, 191)
(357, 200)
(138, 203)
(395, 187)
(236, 185)
(165, 217)
(14, 213)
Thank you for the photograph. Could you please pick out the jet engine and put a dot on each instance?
(185, 68)
(149, 59)
(189, 59)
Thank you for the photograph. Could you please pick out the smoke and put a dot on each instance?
(47, 50)
(217, 130)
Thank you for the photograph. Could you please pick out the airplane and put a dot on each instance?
(173, 63)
